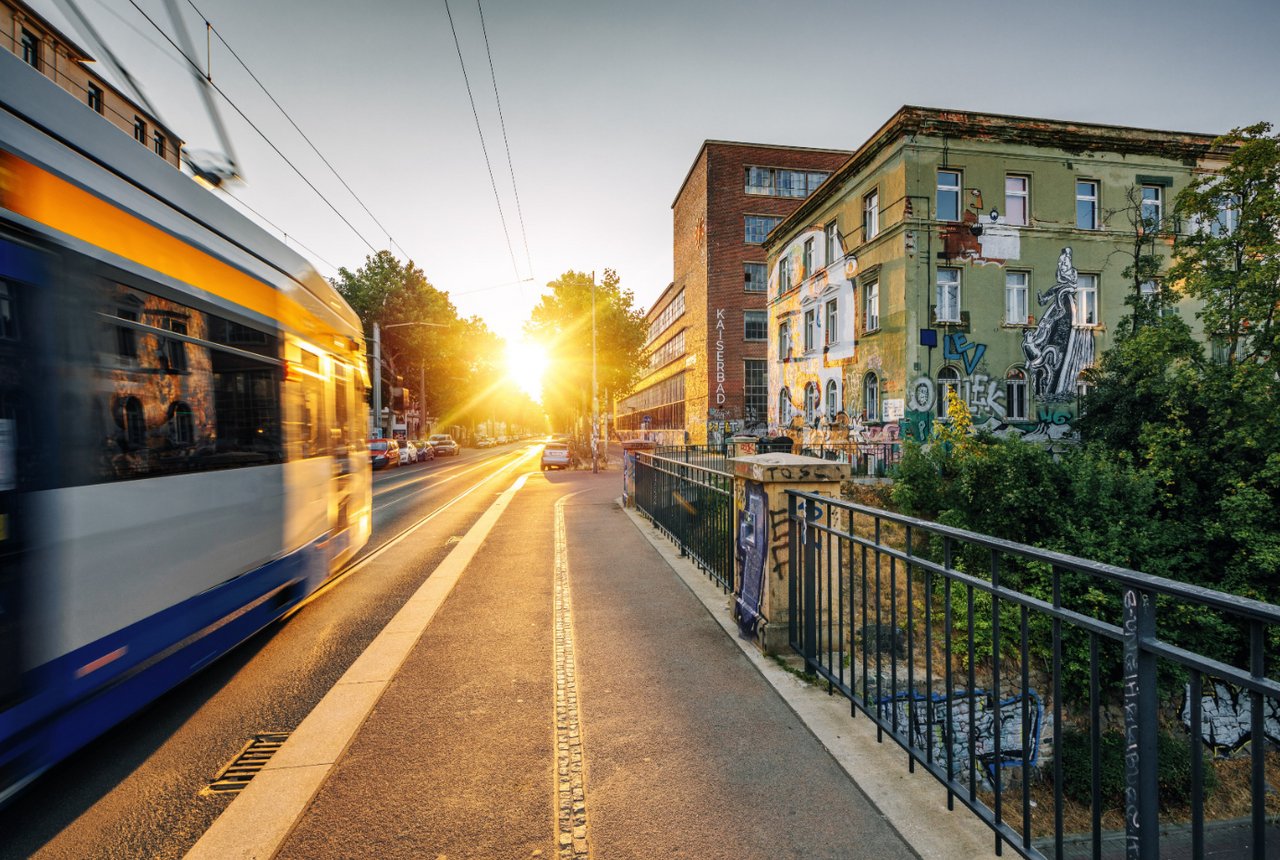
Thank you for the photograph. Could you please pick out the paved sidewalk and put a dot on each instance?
(677, 746)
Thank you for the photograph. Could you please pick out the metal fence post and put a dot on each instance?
(1141, 786)
(809, 540)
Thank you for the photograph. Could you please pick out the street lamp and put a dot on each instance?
(377, 372)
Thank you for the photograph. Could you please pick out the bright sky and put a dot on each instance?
(607, 102)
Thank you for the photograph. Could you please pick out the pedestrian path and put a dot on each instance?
(570, 697)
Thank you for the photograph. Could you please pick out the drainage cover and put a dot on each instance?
(251, 759)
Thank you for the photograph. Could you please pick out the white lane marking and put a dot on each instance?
(571, 798)
(256, 824)
(428, 482)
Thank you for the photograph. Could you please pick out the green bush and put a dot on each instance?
(1173, 769)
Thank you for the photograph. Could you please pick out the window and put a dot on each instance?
(755, 390)
(126, 338)
(673, 311)
(810, 329)
(758, 227)
(1015, 298)
(1086, 300)
(8, 314)
(870, 215)
(1086, 204)
(871, 306)
(833, 400)
(784, 274)
(1016, 210)
(1228, 215)
(755, 277)
(135, 424)
(833, 243)
(157, 143)
(668, 352)
(94, 97)
(949, 295)
(30, 48)
(811, 404)
(755, 325)
(1152, 207)
(807, 258)
(948, 380)
(871, 397)
(784, 406)
(175, 351)
(181, 425)
(1015, 395)
(784, 341)
(140, 130)
(832, 322)
(778, 182)
(948, 207)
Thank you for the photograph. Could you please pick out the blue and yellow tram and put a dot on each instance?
(182, 424)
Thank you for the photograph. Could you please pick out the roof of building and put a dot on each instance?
(666, 291)
(709, 143)
(1066, 135)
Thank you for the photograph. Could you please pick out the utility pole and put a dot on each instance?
(595, 398)
(377, 374)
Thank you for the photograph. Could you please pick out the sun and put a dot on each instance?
(526, 363)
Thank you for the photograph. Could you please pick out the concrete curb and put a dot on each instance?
(914, 804)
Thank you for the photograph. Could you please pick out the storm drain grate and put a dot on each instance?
(245, 766)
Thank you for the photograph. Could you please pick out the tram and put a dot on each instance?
(182, 425)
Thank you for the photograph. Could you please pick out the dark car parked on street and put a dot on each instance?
(443, 445)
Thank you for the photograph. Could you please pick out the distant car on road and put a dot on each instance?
(555, 455)
(444, 444)
(425, 451)
(383, 453)
(485, 442)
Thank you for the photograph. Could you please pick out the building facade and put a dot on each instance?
(976, 253)
(42, 46)
(708, 335)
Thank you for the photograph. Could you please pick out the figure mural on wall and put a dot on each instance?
(1057, 350)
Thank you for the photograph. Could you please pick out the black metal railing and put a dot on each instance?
(692, 505)
(869, 459)
(1067, 703)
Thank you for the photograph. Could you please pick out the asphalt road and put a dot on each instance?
(136, 791)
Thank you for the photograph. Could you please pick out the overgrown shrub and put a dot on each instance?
(1173, 771)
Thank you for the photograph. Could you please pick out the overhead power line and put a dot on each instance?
(252, 125)
(303, 134)
(502, 122)
(505, 232)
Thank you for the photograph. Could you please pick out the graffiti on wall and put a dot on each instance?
(1225, 717)
(1056, 350)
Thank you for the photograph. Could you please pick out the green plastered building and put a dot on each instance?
(975, 252)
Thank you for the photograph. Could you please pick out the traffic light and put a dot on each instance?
(399, 399)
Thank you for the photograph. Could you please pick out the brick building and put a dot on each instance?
(26, 33)
(708, 331)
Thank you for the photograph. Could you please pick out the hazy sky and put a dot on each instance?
(606, 104)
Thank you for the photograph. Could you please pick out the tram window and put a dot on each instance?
(8, 317)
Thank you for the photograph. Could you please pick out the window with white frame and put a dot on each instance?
(757, 227)
(832, 233)
(871, 215)
(755, 325)
(871, 397)
(1152, 206)
(948, 381)
(1016, 198)
(1086, 312)
(755, 277)
(1015, 395)
(784, 340)
(811, 404)
(755, 390)
(784, 406)
(807, 258)
(1086, 204)
(833, 400)
(1015, 298)
(780, 182)
(810, 329)
(784, 274)
(948, 295)
(948, 203)
(832, 333)
(871, 306)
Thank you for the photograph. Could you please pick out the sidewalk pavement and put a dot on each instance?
(565, 687)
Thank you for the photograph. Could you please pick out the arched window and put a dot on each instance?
(871, 396)
(810, 404)
(784, 406)
(135, 423)
(948, 380)
(1015, 395)
(833, 399)
(182, 425)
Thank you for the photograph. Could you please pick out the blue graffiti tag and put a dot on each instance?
(957, 346)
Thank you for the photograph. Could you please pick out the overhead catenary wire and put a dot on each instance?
(300, 132)
(259, 131)
(501, 217)
(503, 123)
(240, 202)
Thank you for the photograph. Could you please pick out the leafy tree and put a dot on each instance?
(562, 323)
(1147, 235)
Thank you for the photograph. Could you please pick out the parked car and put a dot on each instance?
(485, 442)
(555, 455)
(408, 453)
(384, 453)
(444, 445)
(425, 451)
